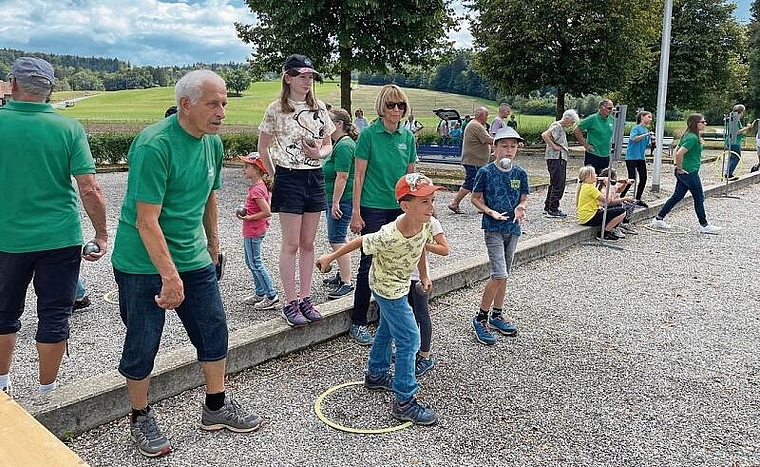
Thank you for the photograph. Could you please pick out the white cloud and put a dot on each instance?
(144, 32)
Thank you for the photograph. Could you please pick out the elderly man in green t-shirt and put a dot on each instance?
(163, 252)
(598, 140)
(40, 232)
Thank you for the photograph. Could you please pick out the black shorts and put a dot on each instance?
(298, 191)
(612, 212)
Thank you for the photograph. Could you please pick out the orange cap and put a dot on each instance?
(253, 158)
(415, 184)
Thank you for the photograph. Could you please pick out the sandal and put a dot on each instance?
(455, 210)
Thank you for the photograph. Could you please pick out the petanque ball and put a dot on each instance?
(90, 248)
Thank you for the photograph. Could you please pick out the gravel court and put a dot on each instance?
(662, 370)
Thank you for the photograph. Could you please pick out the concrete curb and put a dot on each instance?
(100, 399)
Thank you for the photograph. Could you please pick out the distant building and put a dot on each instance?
(5, 92)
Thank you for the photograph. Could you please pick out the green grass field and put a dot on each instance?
(140, 107)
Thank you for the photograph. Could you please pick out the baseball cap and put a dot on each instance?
(253, 158)
(301, 64)
(507, 132)
(33, 69)
(415, 184)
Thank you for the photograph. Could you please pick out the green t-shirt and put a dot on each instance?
(598, 133)
(170, 167)
(341, 160)
(388, 155)
(693, 157)
(39, 153)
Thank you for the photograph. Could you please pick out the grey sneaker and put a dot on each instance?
(231, 417)
(360, 334)
(267, 303)
(253, 299)
(146, 433)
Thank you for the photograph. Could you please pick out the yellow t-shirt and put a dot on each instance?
(394, 258)
(588, 202)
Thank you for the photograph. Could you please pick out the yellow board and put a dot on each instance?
(26, 442)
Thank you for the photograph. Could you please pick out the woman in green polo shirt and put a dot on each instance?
(384, 152)
(687, 160)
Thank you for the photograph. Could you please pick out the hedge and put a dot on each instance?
(111, 148)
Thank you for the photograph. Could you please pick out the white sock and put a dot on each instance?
(5, 381)
(46, 388)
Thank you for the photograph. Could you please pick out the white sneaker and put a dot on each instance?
(267, 303)
(618, 232)
(710, 229)
(8, 390)
(253, 299)
(660, 224)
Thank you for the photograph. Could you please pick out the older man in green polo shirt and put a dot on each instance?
(40, 232)
(598, 140)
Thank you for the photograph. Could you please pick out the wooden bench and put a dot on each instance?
(27, 442)
(667, 145)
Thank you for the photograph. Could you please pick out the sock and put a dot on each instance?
(46, 388)
(496, 312)
(482, 315)
(137, 412)
(5, 381)
(215, 401)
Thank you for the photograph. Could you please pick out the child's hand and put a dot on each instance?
(499, 216)
(424, 285)
(323, 265)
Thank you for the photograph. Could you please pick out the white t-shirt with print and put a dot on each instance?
(288, 130)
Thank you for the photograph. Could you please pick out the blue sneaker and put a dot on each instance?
(384, 381)
(482, 333)
(422, 365)
(414, 412)
(360, 334)
(505, 327)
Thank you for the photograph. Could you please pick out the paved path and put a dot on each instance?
(645, 356)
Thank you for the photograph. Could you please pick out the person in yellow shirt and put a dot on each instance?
(590, 204)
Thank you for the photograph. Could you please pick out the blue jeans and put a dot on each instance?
(687, 183)
(337, 229)
(373, 220)
(397, 324)
(733, 161)
(81, 291)
(262, 282)
(202, 315)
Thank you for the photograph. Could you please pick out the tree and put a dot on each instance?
(707, 64)
(577, 46)
(345, 35)
(86, 80)
(237, 80)
(753, 59)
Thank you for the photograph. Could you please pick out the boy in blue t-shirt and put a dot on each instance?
(501, 194)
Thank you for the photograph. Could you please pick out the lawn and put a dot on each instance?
(143, 106)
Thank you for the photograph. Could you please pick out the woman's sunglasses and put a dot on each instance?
(390, 105)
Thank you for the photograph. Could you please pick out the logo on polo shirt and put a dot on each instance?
(402, 146)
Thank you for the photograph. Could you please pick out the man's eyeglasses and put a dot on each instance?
(390, 105)
(608, 108)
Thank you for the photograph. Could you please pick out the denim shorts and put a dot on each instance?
(202, 315)
(469, 176)
(298, 191)
(337, 229)
(55, 275)
(501, 253)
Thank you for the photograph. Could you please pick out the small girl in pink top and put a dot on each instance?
(255, 215)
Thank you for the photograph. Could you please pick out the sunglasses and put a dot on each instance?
(400, 105)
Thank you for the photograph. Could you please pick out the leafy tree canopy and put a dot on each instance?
(345, 35)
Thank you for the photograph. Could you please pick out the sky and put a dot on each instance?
(148, 32)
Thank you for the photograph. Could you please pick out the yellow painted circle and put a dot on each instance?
(720, 162)
(348, 429)
(112, 297)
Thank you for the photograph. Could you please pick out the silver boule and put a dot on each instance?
(506, 164)
(90, 248)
